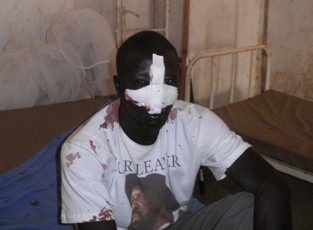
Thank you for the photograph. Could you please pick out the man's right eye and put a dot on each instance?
(141, 82)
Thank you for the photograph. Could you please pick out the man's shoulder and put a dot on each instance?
(194, 115)
(102, 120)
(190, 108)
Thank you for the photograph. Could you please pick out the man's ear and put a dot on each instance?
(117, 84)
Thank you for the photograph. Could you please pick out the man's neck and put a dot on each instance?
(163, 220)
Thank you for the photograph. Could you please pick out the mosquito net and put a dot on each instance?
(75, 62)
(34, 73)
(85, 39)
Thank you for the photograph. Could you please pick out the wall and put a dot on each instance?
(290, 36)
(233, 23)
(222, 24)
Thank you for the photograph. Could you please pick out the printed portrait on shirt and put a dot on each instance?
(151, 201)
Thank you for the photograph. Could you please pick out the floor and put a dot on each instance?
(302, 198)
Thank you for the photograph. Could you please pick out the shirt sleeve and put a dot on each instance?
(85, 197)
(224, 146)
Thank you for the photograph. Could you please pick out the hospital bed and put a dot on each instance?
(278, 125)
(47, 89)
(29, 166)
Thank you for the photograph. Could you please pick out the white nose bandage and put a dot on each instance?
(156, 95)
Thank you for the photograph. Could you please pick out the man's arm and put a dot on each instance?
(272, 209)
(102, 225)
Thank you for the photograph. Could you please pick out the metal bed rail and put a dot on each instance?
(233, 52)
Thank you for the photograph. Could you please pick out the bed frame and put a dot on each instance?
(212, 55)
(260, 63)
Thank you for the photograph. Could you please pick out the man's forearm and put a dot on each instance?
(272, 206)
(272, 194)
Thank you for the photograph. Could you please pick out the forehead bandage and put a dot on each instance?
(156, 95)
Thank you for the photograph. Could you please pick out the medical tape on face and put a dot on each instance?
(156, 95)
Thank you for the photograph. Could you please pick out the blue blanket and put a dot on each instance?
(29, 192)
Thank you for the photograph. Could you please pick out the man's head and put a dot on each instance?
(147, 77)
(145, 209)
(151, 200)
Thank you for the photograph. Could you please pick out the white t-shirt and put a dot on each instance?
(98, 157)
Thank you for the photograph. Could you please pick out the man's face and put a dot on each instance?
(136, 75)
(144, 213)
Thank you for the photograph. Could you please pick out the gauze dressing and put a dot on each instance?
(156, 95)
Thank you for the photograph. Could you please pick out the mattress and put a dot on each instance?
(278, 125)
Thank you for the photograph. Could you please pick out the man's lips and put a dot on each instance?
(135, 217)
(154, 116)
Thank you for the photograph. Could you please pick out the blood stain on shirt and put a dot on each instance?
(104, 166)
(104, 214)
(71, 157)
(112, 115)
(172, 116)
(93, 146)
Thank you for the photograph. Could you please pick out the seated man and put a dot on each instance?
(160, 143)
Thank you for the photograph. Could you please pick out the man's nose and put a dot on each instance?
(135, 204)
